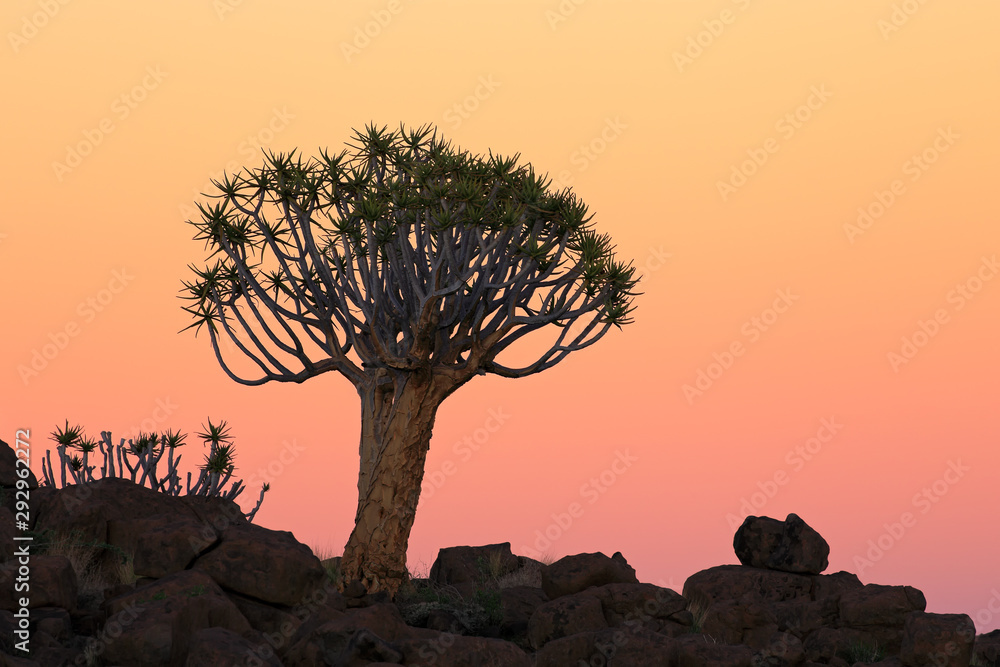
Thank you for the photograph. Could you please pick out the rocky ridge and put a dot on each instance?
(121, 575)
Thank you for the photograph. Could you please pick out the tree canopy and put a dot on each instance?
(407, 251)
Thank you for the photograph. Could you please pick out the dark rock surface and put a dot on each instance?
(208, 588)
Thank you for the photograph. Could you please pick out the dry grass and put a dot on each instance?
(529, 575)
(97, 565)
(698, 606)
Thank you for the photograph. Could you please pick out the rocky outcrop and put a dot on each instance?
(209, 588)
(465, 568)
(787, 546)
(573, 574)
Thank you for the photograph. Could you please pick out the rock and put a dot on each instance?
(11, 661)
(519, 603)
(329, 631)
(565, 616)
(987, 647)
(53, 584)
(783, 649)
(698, 651)
(268, 565)
(87, 509)
(47, 651)
(449, 650)
(657, 609)
(273, 620)
(211, 647)
(787, 546)
(214, 589)
(881, 612)
(53, 621)
(443, 620)
(742, 583)
(161, 544)
(941, 640)
(612, 647)
(573, 574)
(466, 568)
(155, 624)
(9, 472)
(847, 644)
(7, 533)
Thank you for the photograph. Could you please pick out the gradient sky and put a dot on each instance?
(812, 185)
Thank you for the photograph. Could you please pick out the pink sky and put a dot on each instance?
(809, 189)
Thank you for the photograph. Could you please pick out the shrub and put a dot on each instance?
(148, 449)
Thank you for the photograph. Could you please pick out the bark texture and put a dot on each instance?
(397, 417)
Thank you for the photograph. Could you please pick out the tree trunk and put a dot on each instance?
(397, 416)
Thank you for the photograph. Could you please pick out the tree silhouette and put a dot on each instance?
(421, 259)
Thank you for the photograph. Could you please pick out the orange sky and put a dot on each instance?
(809, 189)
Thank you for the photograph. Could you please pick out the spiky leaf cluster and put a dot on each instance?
(407, 251)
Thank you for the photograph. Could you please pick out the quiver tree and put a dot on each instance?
(421, 260)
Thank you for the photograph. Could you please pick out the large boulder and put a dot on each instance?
(461, 651)
(875, 604)
(269, 565)
(739, 604)
(161, 544)
(644, 605)
(518, 604)
(987, 647)
(741, 583)
(335, 633)
(698, 650)
(211, 647)
(9, 471)
(635, 647)
(52, 580)
(467, 568)
(565, 616)
(573, 574)
(87, 510)
(939, 640)
(788, 546)
(155, 624)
